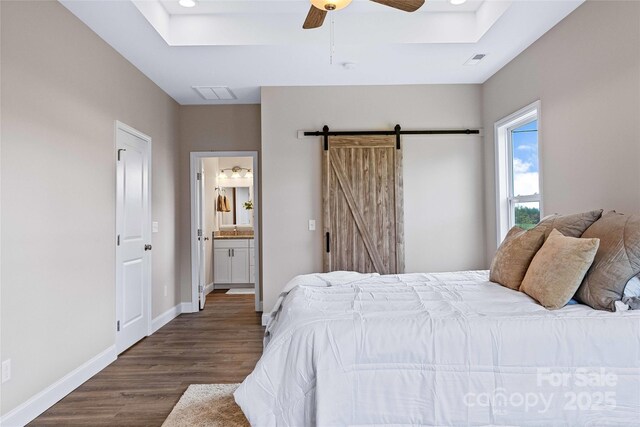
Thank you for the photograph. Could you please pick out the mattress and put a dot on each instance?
(445, 349)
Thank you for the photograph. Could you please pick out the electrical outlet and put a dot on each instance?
(6, 370)
(312, 225)
(166, 290)
(154, 227)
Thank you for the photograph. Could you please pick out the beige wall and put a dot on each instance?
(210, 128)
(443, 175)
(62, 89)
(586, 72)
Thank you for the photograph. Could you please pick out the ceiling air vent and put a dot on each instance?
(215, 93)
(475, 59)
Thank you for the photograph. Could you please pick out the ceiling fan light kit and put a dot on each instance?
(330, 4)
(319, 9)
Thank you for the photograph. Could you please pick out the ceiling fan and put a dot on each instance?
(319, 9)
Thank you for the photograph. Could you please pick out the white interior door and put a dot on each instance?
(201, 242)
(133, 240)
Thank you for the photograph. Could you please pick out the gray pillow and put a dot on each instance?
(617, 260)
(569, 225)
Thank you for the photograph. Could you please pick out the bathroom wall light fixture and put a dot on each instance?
(236, 172)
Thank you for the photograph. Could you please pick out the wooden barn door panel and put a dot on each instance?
(362, 197)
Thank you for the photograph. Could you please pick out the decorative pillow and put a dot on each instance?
(617, 260)
(569, 225)
(514, 256)
(558, 269)
(632, 288)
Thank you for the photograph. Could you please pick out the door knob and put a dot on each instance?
(147, 247)
(206, 238)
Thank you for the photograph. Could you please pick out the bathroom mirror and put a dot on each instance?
(238, 214)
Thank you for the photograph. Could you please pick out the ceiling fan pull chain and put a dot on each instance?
(332, 41)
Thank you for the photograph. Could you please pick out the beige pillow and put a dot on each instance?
(569, 225)
(514, 256)
(558, 269)
(617, 260)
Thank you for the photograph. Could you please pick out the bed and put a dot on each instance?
(445, 349)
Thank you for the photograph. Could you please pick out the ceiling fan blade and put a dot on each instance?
(315, 18)
(406, 5)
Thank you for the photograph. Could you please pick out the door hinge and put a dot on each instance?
(199, 232)
(118, 326)
(200, 288)
(198, 176)
(118, 240)
(119, 151)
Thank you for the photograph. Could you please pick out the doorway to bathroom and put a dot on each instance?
(225, 255)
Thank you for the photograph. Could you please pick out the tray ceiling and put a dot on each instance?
(245, 44)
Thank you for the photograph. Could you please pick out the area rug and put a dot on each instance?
(241, 291)
(207, 405)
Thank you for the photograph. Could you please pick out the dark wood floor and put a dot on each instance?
(218, 345)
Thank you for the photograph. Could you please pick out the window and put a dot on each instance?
(519, 195)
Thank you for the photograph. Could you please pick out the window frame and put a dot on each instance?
(505, 199)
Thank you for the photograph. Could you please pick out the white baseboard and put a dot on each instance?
(166, 317)
(208, 289)
(186, 307)
(36, 405)
(265, 318)
(226, 286)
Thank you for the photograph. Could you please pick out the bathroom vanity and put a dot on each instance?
(233, 261)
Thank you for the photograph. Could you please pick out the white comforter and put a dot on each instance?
(440, 349)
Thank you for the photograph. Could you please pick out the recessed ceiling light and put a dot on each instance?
(187, 3)
(457, 2)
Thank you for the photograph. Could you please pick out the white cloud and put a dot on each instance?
(526, 148)
(521, 167)
(525, 184)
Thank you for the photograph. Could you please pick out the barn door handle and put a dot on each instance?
(328, 242)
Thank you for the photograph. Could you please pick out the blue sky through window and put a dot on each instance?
(525, 159)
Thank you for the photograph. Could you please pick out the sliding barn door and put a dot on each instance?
(362, 198)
